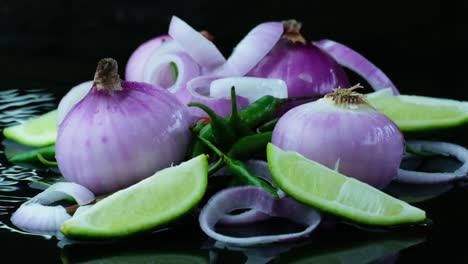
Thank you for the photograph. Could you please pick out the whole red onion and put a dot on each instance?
(121, 132)
(342, 131)
(305, 68)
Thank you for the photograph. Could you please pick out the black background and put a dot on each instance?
(419, 44)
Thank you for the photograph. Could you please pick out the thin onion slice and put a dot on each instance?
(75, 95)
(260, 169)
(252, 88)
(443, 148)
(157, 71)
(249, 197)
(36, 216)
(203, 51)
(198, 91)
(135, 65)
(251, 49)
(354, 61)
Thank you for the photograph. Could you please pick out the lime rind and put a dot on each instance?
(153, 202)
(38, 131)
(414, 113)
(337, 194)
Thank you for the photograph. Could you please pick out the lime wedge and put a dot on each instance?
(419, 113)
(38, 131)
(153, 202)
(318, 186)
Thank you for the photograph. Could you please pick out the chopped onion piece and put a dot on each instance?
(203, 51)
(357, 63)
(251, 88)
(36, 216)
(442, 148)
(251, 49)
(249, 197)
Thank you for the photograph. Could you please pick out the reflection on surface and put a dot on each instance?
(342, 246)
(161, 248)
(375, 248)
(15, 107)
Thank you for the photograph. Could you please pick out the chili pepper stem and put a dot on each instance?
(213, 147)
(205, 108)
(216, 166)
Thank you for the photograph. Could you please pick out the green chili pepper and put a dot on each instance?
(263, 109)
(242, 174)
(255, 114)
(249, 145)
(223, 134)
(199, 147)
(174, 71)
(237, 124)
(41, 155)
(46, 162)
(268, 126)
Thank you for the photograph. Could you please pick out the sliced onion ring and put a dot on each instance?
(258, 168)
(251, 88)
(354, 61)
(203, 51)
(250, 197)
(198, 91)
(442, 148)
(251, 49)
(135, 65)
(157, 71)
(36, 216)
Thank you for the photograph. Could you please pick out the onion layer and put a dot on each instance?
(198, 91)
(136, 62)
(157, 71)
(75, 95)
(249, 87)
(442, 148)
(251, 197)
(260, 169)
(203, 51)
(357, 63)
(251, 49)
(37, 217)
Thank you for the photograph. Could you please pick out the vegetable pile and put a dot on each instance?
(274, 130)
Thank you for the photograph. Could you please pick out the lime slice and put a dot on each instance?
(316, 185)
(419, 113)
(153, 202)
(38, 131)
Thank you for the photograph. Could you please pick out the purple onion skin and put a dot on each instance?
(109, 141)
(368, 145)
(305, 68)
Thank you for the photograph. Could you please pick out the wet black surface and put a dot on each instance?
(53, 45)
